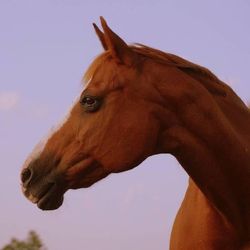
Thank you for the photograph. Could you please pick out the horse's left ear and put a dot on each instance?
(119, 50)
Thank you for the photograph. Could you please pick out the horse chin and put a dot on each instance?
(50, 203)
(52, 198)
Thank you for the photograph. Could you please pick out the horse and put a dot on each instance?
(137, 102)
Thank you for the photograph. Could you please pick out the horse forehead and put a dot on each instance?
(110, 71)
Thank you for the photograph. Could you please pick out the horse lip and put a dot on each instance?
(29, 195)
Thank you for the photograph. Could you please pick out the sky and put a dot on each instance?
(45, 47)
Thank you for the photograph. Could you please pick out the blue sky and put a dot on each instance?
(45, 47)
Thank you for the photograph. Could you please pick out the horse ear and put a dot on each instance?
(100, 36)
(119, 50)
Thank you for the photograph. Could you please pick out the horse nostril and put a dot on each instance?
(26, 176)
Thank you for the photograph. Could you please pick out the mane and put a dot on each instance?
(173, 60)
(194, 70)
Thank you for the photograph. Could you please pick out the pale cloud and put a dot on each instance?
(8, 100)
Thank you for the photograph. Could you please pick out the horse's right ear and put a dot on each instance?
(119, 50)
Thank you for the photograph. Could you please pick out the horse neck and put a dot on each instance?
(237, 114)
(214, 149)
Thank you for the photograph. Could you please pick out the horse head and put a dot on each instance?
(113, 126)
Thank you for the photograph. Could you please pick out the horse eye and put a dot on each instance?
(90, 103)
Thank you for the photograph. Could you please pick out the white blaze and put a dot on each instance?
(41, 145)
(38, 149)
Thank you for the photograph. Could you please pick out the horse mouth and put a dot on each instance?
(47, 192)
(50, 197)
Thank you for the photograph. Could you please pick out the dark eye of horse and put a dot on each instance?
(90, 103)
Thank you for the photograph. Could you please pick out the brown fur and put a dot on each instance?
(155, 102)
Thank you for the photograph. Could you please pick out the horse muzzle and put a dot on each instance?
(44, 189)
